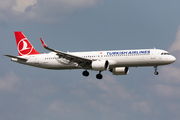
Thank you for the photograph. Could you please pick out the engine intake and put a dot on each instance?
(100, 65)
(120, 70)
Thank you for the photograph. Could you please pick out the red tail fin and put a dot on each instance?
(23, 45)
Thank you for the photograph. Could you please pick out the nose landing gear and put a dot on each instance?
(156, 72)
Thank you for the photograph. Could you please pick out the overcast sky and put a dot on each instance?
(28, 93)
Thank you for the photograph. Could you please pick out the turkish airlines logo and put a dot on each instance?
(24, 47)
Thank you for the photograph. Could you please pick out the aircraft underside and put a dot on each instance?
(119, 69)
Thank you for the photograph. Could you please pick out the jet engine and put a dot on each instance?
(100, 65)
(120, 70)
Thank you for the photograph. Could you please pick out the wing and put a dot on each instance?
(82, 62)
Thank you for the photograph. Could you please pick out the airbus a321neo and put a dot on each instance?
(116, 61)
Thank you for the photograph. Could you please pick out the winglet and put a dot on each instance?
(45, 46)
(43, 43)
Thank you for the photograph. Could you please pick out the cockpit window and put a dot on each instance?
(165, 54)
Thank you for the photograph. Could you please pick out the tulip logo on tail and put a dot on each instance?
(24, 47)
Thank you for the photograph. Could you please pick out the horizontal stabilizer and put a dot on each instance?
(16, 57)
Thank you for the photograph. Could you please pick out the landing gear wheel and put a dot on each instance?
(85, 73)
(99, 76)
(156, 73)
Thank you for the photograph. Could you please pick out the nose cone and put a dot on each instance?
(172, 59)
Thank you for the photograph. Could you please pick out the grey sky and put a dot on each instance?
(86, 25)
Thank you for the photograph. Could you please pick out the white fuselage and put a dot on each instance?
(116, 58)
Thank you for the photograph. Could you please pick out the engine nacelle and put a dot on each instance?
(100, 65)
(120, 70)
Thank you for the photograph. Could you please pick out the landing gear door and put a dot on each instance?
(153, 54)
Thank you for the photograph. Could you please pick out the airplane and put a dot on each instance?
(116, 61)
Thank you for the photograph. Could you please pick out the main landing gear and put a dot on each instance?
(98, 76)
(156, 72)
(85, 73)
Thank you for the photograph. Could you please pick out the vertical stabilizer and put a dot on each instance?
(23, 45)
